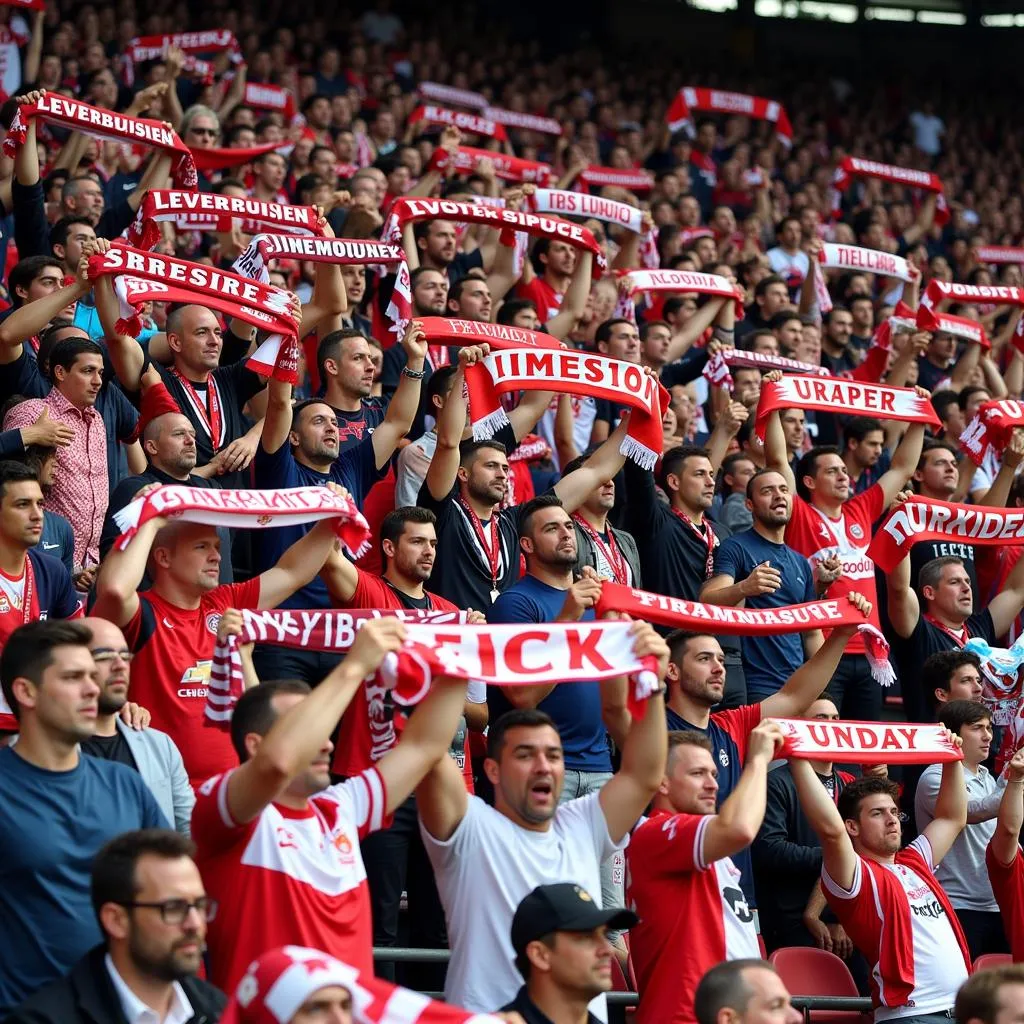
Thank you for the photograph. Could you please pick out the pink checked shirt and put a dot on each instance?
(81, 490)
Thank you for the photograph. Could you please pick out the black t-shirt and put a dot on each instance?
(110, 748)
(911, 653)
(924, 551)
(930, 376)
(354, 426)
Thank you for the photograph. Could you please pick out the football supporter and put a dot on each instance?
(152, 910)
(171, 627)
(149, 751)
(952, 675)
(682, 881)
(1004, 860)
(962, 872)
(345, 363)
(888, 900)
(527, 838)
(826, 520)
(747, 992)
(563, 951)
(553, 263)
(992, 996)
(278, 844)
(51, 790)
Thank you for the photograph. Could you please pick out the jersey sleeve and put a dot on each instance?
(729, 561)
(867, 507)
(670, 844)
(370, 592)
(833, 888)
(362, 800)
(357, 469)
(235, 595)
(213, 828)
(585, 814)
(739, 723)
(1008, 886)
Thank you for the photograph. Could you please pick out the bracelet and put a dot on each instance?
(413, 374)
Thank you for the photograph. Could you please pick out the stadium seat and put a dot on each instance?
(991, 960)
(808, 971)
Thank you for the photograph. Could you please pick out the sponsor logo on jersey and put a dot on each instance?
(195, 680)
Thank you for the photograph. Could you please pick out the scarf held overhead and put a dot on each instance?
(854, 167)
(992, 428)
(919, 519)
(529, 122)
(565, 370)
(582, 204)
(720, 102)
(248, 510)
(213, 158)
(958, 326)
(872, 261)
(440, 330)
(845, 397)
(477, 124)
(509, 168)
(103, 124)
(867, 742)
(717, 368)
(681, 281)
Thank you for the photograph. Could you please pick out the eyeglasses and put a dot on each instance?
(102, 655)
(175, 911)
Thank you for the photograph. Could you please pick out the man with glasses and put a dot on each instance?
(150, 752)
(152, 909)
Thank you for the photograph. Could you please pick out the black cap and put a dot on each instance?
(564, 907)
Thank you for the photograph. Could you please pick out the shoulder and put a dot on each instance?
(204, 997)
(234, 595)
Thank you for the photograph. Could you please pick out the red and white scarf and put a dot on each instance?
(920, 519)
(529, 122)
(867, 742)
(855, 167)
(208, 211)
(149, 276)
(958, 326)
(996, 294)
(508, 168)
(439, 330)
(721, 102)
(845, 398)
(477, 124)
(277, 984)
(717, 368)
(676, 613)
(582, 204)
(143, 48)
(634, 179)
(213, 158)
(576, 373)
(406, 211)
(999, 254)
(991, 428)
(102, 124)
(834, 256)
(40, 5)
(247, 510)
(681, 281)
(450, 94)
(264, 96)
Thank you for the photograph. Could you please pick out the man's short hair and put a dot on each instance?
(978, 998)
(440, 383)
(858, 428)
(808, 466)
(604, 330)
(931, 445)
(649, 324)
(12, 472)
(965, 396)
(25, 271)
(517, 718)
(937, 670)
(955, 714)
(59, 231)
(393, 525)
(511, 308)
(860, 789)
(678, 640)
(688, 738)
(532, 507)
(330, 345)
(672, 306)
(255, 712)
(28, 652)
(113, 868)
(783, 317)
(67, 351)
(673, 460)
(942, 400)
(468, 449)
(931, 572)
(762, 286)
(723, 987)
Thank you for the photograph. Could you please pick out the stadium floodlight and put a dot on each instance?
(888, 14)
(941, 18)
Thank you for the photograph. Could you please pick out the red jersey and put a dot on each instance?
(1008, 886)
(288, 877)
(367, 731)
(171, 671)
(543, 296)
(816, 536)
(684, 903)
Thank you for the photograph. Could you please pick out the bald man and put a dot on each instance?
(150, 752)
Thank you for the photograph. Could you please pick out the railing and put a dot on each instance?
(404, 954)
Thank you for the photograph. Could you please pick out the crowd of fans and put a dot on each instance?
(557, 838)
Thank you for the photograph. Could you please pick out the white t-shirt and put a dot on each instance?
(928, 132)
(411, 468)
(584, 412)
(483, 872)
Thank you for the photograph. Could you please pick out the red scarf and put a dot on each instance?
(577, 373)
(992, 427)
(409, 211)
(102, 124)
(600, 177)
(871, 261)
(40, 5)
(999, 254)
(867, 742)
(264, 96)
(919, 519)
(508, 168)
(441, 331)
(450, 94)
(958, 326)
(477, 124)
(720, 102)
(143, 48)
(211, 158)
(855, 167)
(248, 510)
(529, 122)
(845, 397)
(638, 281)
(208, 211)
(717, 368)
(997, 294)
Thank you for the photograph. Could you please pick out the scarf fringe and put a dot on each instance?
(490, 424)
(639, 453)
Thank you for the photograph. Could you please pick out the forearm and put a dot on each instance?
(122, 571)
(1006, 839)
(32, 317)
(730, 594)
(951, 804)
(574, 489)
(156, 175)
(996, 496)
(646, 747)
(908, 454)
(430, 729)
(278, 420)
(965, 367)
(815, 801)
(401, 412)
(808, 681)
(743, 811)
(984, 808)
(683, 339)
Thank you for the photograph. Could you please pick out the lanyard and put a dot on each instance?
(958, 638)
(211, 422)
(492, 551)
(612, 555)
(707, 537)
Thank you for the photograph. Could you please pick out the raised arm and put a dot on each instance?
(406, 400)
(451, 424)
(810, 679)
(1005, 841)
(277, 423)
(685, 337)
(28, 320)
(1006, 605)
(574, 301)
(998, 494)
(840, 859)
(903, 606)
(904, 460)
(121, 573)
(950, 807)
(732, 417)
(574, 489)
(776, 455)
(340, 575)
(532, 405)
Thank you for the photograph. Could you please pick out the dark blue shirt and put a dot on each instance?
(57, 540)
(768, 661)
(51, 826)
(355, 469)
(575, 707)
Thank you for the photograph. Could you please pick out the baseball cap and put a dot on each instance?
(563, 907)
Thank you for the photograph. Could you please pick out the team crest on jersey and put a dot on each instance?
(723, 758)
(343, 847)
(213, 622)
(5, 605)
(856, 531)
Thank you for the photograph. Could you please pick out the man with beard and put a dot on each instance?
(770, 574)
(148, 751)
(152, 909)
(888, 900)
(864, 452)
(78, 803)
(553, 264)
(345, 364)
